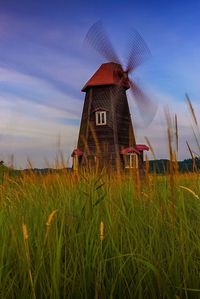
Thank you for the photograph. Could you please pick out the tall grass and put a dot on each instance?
(98, 236)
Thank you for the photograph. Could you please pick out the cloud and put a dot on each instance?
(38, 101)
(157, 130)
(31, 88)
(31, 129)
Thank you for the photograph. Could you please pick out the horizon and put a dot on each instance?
(44, 65)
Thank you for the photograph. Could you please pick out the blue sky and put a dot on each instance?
(44, 64)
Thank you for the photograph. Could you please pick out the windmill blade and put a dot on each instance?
(146, 106)
(98, 39)
(139, 51)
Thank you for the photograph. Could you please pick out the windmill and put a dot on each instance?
(106, 136)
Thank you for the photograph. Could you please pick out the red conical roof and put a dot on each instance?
(108, 74)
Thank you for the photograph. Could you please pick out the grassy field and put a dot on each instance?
(99, 236)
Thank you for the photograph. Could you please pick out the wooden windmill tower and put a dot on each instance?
(106, 136)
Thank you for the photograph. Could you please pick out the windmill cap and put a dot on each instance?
(141, 147)
(110, 73)
(137, 149)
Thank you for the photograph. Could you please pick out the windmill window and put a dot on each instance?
(131, 160)
(100, 118)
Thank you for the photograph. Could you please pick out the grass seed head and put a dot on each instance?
(50, 217)
(24, 231)
(101, 231)
(189, 190)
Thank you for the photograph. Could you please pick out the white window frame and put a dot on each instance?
(101, 119)
(130, 158)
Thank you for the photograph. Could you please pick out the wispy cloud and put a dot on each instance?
(43, 66)
(157, 130)
(34, 134)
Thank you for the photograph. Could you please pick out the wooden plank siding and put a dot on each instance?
(104, 142)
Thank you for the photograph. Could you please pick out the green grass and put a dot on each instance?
(151, 245)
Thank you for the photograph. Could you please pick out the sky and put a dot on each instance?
(44, 64)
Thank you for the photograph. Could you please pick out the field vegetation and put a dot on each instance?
(91, 235)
